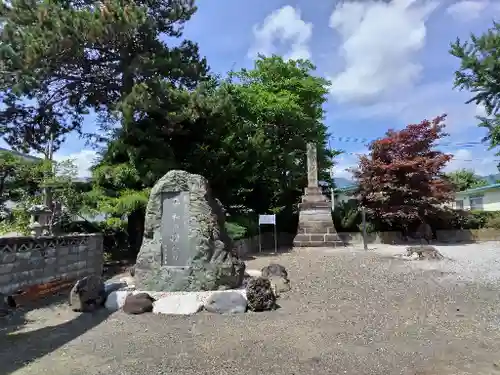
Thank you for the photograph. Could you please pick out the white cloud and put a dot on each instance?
(467, 159)
(379, 43)
(423, 102)
(346, 161)
(467, 10)
(481, 110)
(83, 160)
(284, 25)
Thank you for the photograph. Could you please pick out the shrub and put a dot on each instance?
(493, 221)
(236, 231)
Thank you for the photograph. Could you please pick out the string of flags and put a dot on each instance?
(471, 160)
(365, 141)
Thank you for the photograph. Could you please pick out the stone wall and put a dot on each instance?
(29, 261)
(445, 236)
(247, 246)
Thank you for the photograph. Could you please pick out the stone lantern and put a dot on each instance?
(40, 219)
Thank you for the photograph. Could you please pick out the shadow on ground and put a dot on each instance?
(19, 349)
(267, 253)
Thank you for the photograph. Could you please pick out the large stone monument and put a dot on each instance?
(185, 245)
(316, 227)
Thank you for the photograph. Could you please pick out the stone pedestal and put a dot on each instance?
(316, 227)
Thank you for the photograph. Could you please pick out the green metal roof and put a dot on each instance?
(480, 189)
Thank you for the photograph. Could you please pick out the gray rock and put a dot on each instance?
(260, 294)
(246, 279)
(424, 252)
(138, 303)
(7, 304)
(274, 269)
(279, 284)
(87, 294)
(187, 248)
(226, 302)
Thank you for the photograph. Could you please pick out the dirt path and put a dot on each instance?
(352, 313)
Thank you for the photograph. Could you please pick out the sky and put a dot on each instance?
(388, 63)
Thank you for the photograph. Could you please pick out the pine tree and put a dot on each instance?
(60, 59)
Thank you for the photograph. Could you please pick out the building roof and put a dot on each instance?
(480, 189)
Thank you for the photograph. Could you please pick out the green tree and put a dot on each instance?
(61, 59)
(280, 104)
(247, 135)
(22, 182)
(464, 179)
(479, 73)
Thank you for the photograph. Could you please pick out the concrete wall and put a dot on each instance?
(29, 261)
(444, 236)
(491, 199)
(247, 246)
(356, 238)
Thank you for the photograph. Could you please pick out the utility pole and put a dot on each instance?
(363, 220)
(47, 192)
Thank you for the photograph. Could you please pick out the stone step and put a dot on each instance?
(321, 228)
(318, 244)
(309, 205)
(312, 191)
(317, 237)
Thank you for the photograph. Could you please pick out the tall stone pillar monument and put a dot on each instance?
(316, 227)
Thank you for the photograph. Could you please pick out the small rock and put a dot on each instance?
(274, 269)
(128, 280)
(114, 286)
(178, 304)
(116, 300)
(226, 302)
(253, 273)
(87, 294)
(7, 304)
(138, 304)
(260, 295)
(279, 285)
(424, 252)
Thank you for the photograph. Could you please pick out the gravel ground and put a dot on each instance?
(478, 262)
(349, 312)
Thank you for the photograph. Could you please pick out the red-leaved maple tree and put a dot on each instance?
(401, 181)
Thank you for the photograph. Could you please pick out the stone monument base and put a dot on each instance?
(316, 227)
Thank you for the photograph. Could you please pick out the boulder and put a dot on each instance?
(226, 302)
(185, 244)
(139, 303)
(116, 300)
(7, 304)
(253, 273)
(179, 304)
(279, 285)
(111, 287)
(260, 295)
(424, 253)
(278, 276)
(87, 294)
(274, 269)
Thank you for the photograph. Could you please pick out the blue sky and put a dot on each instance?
(388, 63)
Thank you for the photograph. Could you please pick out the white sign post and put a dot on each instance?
(268, 220)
